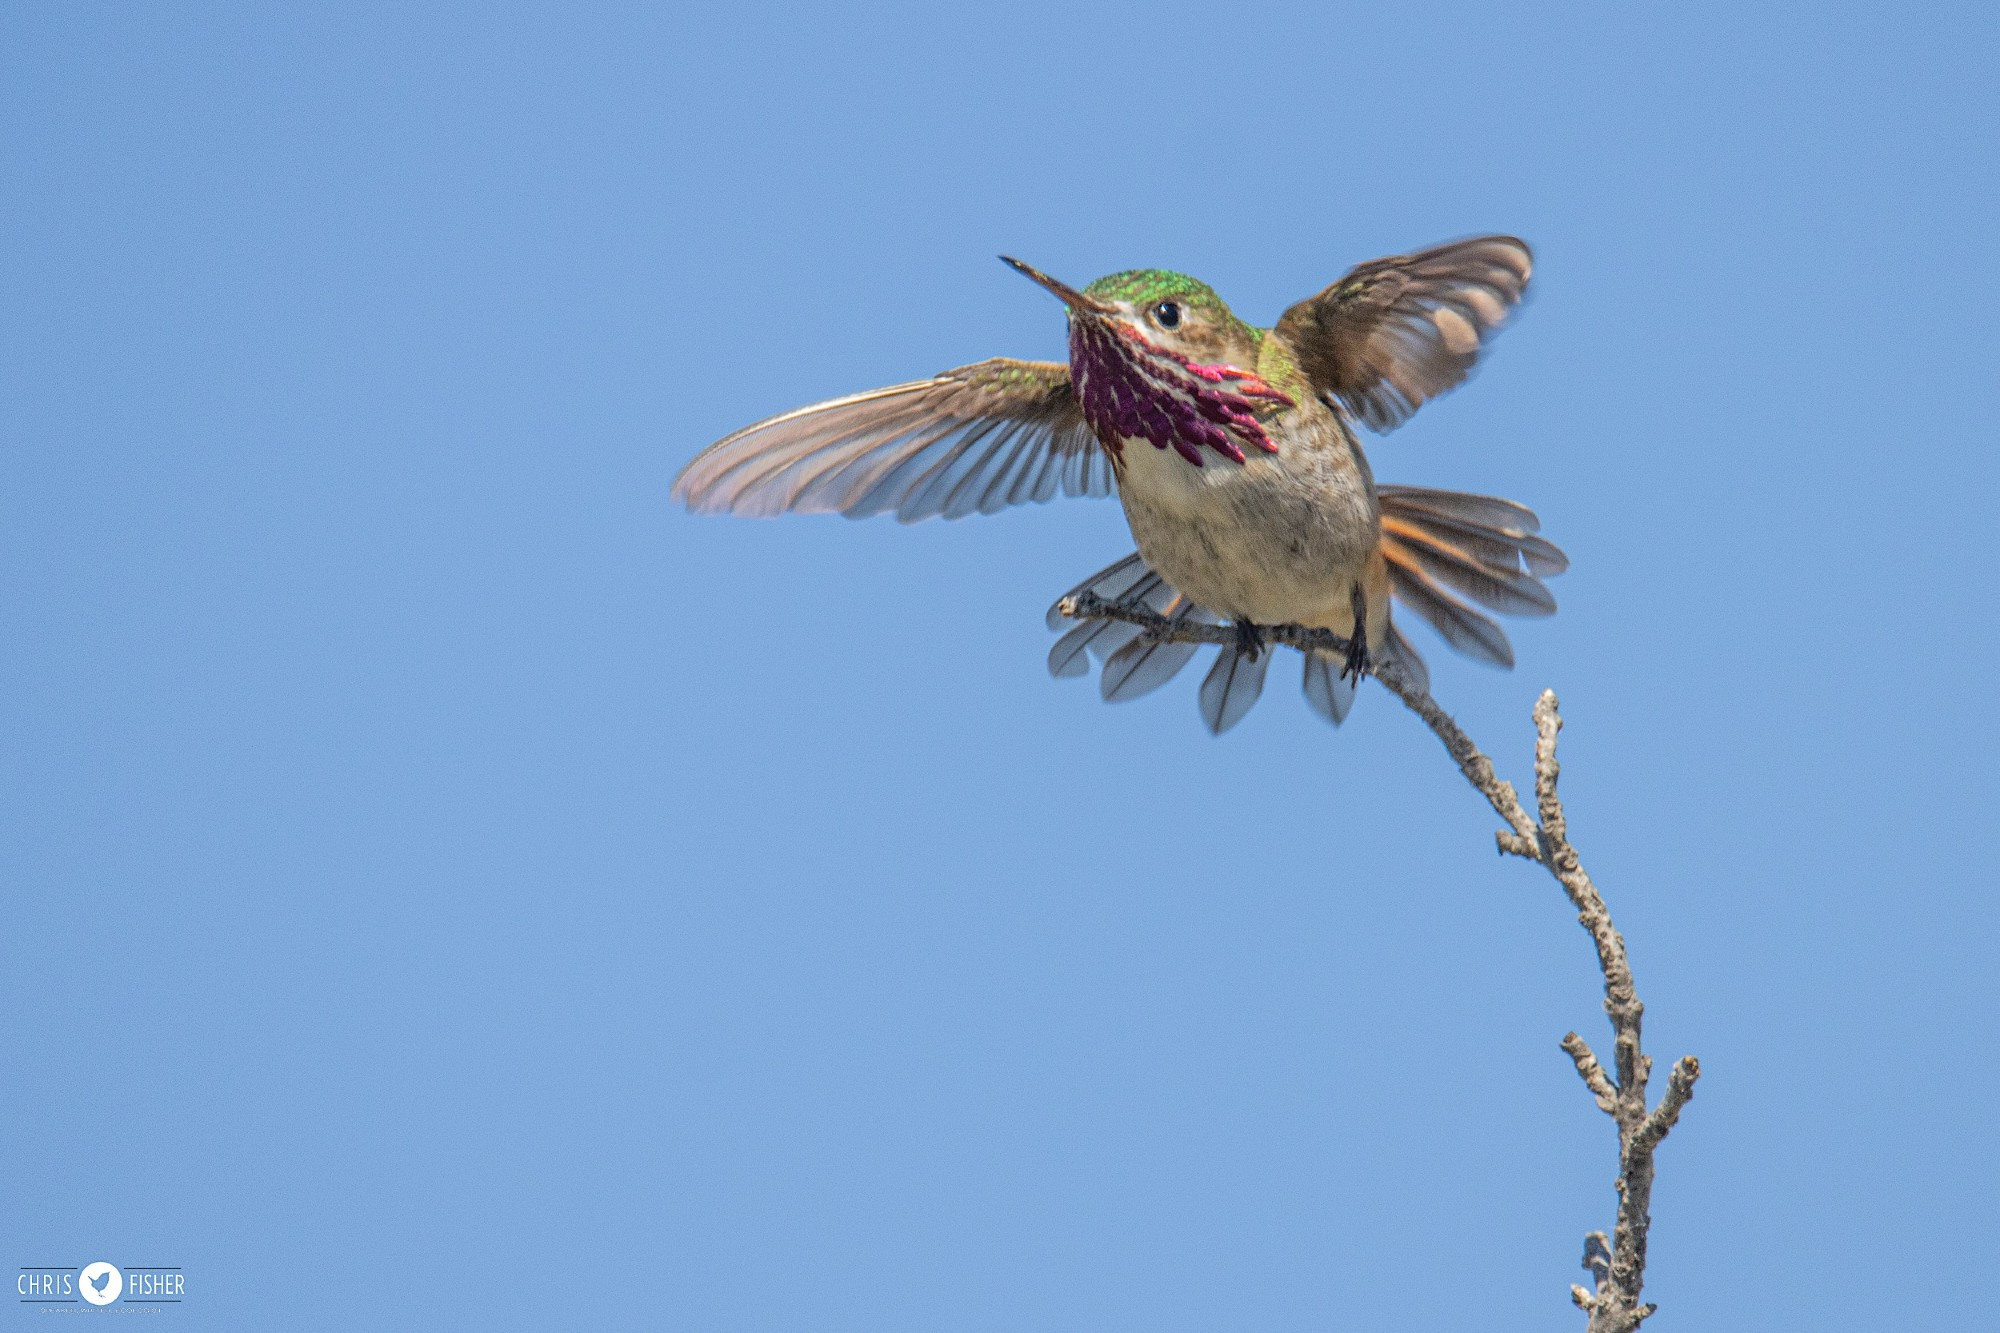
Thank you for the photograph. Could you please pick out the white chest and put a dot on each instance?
(1279, 538)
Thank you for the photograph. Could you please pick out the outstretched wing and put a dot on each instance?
(972, 440)
(1398, 331)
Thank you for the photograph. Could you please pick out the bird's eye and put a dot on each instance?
(1167, 314)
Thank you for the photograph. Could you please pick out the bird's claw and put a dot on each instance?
(1357, 662)
(1249, 640)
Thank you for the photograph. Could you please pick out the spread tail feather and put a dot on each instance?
(1145, 664)
(1449, 553)
(1329, 689)
(1447, 550)
(1232, 686)
(1127, 582)
(1405, 656)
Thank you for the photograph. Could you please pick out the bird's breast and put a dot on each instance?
(1278, 538)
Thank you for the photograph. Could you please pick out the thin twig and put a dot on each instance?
(1593, 1073)
(1618, 1264)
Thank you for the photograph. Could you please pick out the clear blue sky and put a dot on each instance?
(448, 886)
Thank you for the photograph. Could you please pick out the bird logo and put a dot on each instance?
(102, 1283)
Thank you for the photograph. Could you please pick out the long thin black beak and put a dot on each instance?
(1069, 295)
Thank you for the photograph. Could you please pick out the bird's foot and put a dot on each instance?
(1357, 662)
(1249, 640)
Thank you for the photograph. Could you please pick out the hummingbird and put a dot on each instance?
(1235, 452)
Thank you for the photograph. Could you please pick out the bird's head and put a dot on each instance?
(1157, 355)
(1169, 311)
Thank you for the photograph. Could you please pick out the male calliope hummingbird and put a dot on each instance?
(1233, 450)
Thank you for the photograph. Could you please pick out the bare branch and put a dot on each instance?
(1478, 769)
(1089, 606)
(1548, 724)
(1617, 1264)
(1592, 1072)
(1680, 1087)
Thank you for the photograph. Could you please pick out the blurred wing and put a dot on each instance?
(1398, 331)
(972, 440)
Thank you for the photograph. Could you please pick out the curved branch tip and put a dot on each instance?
(1617, 1264)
